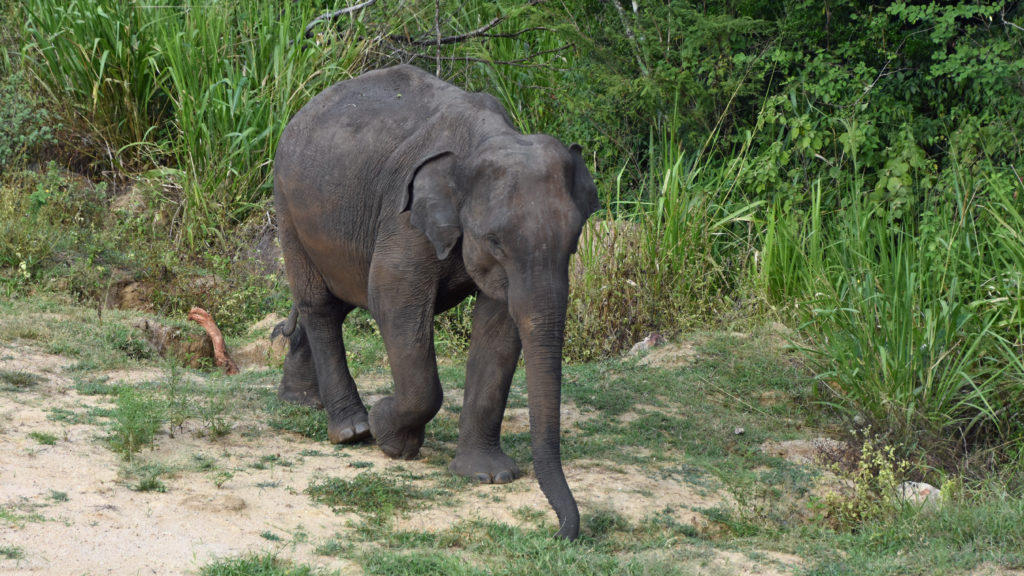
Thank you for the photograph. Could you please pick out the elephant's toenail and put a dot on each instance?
(483, 477)
(503, 477)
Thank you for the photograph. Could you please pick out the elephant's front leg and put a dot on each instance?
(405, 315)
(493, 354)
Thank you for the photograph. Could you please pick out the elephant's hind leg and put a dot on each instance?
(322, 315)
(493, 353)
(298, 382)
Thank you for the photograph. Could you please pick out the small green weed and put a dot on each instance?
(44, 438)
(269, 461)
(150, 484)
(137, 418)
(335, 547)
(221, 478)
(58, 496)
(12, 552)
(268, 535)
(203, 463)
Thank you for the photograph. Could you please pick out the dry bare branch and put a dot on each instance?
(220, 350)
(335, 15)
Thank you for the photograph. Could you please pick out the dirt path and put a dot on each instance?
(68, 508)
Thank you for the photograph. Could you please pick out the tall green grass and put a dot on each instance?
(915, 318)
(203, 88)
(101, 58)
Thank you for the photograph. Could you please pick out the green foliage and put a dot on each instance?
(25, 127)
(211, 93)
(12, 552)
(872, 494)
(58, 216)
(135, 421)
(921, 320)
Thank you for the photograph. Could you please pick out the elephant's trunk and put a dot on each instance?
(541, 327)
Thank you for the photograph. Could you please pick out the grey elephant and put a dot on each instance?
(402, 194)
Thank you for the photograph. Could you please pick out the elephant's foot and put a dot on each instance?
(348, 429)
(490, 467)
(307, 397)
(396, 442)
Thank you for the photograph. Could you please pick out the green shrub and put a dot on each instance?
(25, 127)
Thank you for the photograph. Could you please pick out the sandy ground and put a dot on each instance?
(70, 510)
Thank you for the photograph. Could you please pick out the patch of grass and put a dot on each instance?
(257, 565)
(955, 537)
(269, 461)
(335, 547)
(471, 548)
(58, 496)
(99, 386)
(203, 463)
(147, 476)
(17, 518)
(302, 420)
(12, 552)
(17, 380)
(136, 420)
(44, 438)
(67, 416)
(150, 484)
(370, 493)
(268, 535)
(221, 478)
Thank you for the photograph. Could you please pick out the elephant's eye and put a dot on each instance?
(494, 244)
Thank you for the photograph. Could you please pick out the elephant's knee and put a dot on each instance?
(418, 409)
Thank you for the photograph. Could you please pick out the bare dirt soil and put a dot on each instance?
(69, 509)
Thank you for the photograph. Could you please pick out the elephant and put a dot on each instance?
(402, 194)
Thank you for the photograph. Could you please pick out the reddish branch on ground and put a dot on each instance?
(220, 350)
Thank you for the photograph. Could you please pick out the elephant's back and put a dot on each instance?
(376, 111)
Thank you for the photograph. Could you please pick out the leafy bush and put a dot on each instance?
(872, 492)
(24, 125)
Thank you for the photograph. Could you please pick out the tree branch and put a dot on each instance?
(523, 62)
(481, 31)
(335, 15)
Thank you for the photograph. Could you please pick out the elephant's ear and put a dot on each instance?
(432, 200)
(584, 192)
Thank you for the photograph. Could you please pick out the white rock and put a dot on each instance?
(918, 492)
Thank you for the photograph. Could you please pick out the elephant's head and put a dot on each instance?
(518, 205)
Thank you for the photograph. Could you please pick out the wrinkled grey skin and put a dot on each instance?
(402, 194)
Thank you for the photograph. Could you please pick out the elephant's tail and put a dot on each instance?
(289, 324)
